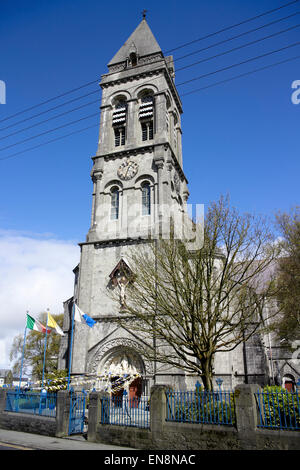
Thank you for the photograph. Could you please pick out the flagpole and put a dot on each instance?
(71, 344)
(45, 347)
(21, 371)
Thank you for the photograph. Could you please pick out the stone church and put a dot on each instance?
(137, 168)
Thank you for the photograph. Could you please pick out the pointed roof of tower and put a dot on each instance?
(141, 41)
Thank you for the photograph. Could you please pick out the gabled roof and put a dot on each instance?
(122, 265)
(141, 41)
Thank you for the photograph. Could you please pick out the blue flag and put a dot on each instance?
(88, 320)
(79, 315)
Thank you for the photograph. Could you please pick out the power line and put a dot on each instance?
(182, 83)
(50, 109)
(182, 68)
(184, 94)
(50, 99)
(232, 26)
(179, 84)
(241, 75)
(170, 50)
(48, 142)
(240, 47)
(49, 119)
(47, 132)
(239, 63)
(236, 37)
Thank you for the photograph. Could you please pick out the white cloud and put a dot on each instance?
(35, 274)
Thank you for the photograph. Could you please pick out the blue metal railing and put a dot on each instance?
(31, 402)
(125, 411)
(78, 402)
(206, 407)
(278, 409)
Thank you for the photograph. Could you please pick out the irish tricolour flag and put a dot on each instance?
(33, 324)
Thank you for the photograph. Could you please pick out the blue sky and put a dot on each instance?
(240, 138)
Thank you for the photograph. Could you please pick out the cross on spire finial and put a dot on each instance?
(144, 13)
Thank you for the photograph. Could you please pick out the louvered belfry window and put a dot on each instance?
(119, 122)
(146, 114)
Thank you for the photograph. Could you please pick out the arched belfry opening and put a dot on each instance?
(133, 56)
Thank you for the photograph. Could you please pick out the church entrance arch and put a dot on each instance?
(123, 367)
(125, 370)
(120, 367)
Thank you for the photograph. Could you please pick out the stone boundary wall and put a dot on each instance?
(36, 424)
(164, 435)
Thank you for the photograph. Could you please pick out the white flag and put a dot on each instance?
(79, 315)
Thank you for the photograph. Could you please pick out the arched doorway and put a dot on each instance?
(135, 392)
(125, 370)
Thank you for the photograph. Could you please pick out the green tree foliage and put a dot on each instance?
(34, 350)
(279, 407)
(288, 277)
(203, 406)
(9, 378)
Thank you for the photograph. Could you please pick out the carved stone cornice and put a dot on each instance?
(126, 153)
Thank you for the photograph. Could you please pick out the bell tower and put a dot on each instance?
(137, 171)
(138, 164)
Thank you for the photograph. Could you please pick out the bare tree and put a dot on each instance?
(198, 303)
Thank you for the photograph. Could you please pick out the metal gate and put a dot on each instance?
(77, 412)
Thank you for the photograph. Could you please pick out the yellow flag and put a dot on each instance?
(52, 323)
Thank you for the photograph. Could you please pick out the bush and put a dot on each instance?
(205, 407)
(280, 407)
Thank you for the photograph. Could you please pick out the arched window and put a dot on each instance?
(146, 199)
(133, 59)
(175, 130)
(114, 207)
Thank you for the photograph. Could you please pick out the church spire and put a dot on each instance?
(142, 40)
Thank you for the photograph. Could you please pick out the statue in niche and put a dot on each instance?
(122, 283)
(121, 276)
